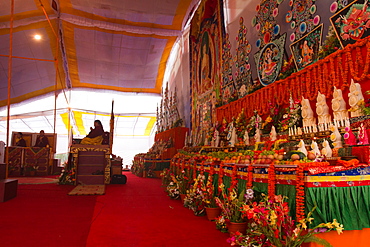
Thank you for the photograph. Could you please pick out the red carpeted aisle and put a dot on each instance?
(140, 214)
(44, 215)
(135, 214)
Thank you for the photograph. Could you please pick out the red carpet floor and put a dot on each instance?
(135, 214)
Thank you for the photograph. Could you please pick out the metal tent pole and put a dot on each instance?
(10, 62)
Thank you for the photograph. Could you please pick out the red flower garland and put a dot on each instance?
(220, 177)
(300, 207)
(271, 180)
(234, 178)
(250, 176)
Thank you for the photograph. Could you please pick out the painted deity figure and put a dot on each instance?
(269, 65)
(307, 53)
(322, 110)
(355, 97)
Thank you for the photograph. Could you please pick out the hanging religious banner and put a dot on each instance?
(269, 61)
(352, 23)
(306, 50)
(206, 37)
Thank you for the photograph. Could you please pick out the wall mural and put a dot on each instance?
(269, 60)
(352, 22)
(306, 50)
(206, 37)
(220, 76)
(243, 74)
(339, 4)
(301, 18)
(265, 21)
(228, 87)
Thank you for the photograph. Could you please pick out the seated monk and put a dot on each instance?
(20, 142)
(42, 140)
(95, 137)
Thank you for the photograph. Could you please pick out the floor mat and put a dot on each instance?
(35, 180)
(87, 190)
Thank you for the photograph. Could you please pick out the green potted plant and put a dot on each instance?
(194, 196)
(212, 209)
(231, 204)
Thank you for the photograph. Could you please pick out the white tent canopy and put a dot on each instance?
(134, 117)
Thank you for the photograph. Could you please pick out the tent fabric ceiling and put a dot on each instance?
(117, 45)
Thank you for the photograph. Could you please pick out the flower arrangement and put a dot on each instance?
(254, 122)
(273, 119)
(67, 176)
(364, 105)
(269, 224)
(232, 203)
(240, 123)
(166, 177)
(208, 193)
(292, 116)
(194, 196)
(221, 223)
(173, 190)
(330, 45)
(183, 180)
(288, 68)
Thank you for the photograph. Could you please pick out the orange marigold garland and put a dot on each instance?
(354, 67)
(220, 177)
(271, 180)
(300, 207)
(194, 170)
(250, 176)
(349, 163)
(234, 178)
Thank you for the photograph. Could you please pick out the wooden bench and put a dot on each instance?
(8, 189)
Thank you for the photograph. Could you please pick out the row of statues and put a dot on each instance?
(324, 123)
(339, 108)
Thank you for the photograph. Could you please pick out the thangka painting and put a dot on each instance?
(352, 22)
(302, 18)
(305, 51)
(243, 74)
(265, 21)
(228, 87)
(269, 60)
(205, 42)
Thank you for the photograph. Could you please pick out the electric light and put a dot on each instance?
(37, 37)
